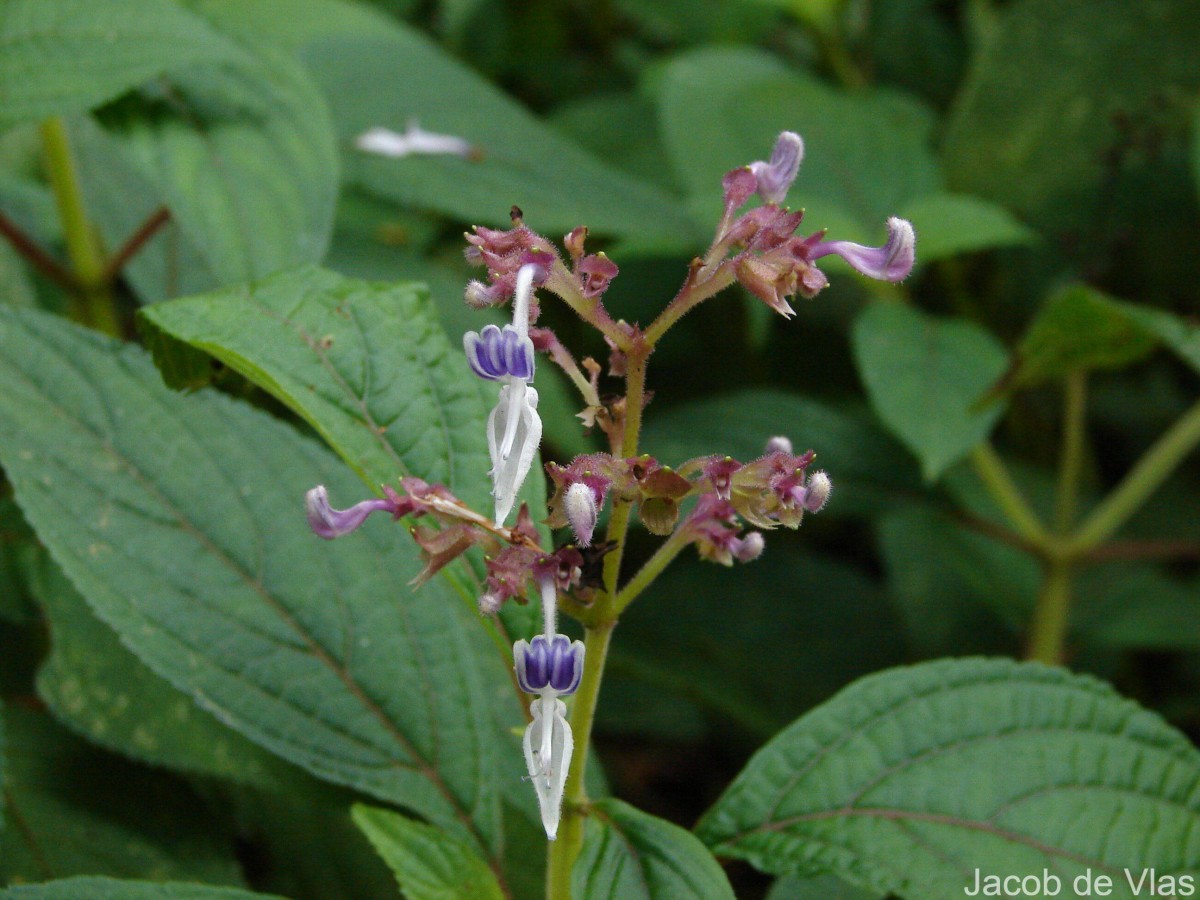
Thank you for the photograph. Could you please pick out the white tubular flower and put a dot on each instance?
(514, 429)
(551, 666)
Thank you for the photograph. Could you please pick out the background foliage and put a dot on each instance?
(196, 692)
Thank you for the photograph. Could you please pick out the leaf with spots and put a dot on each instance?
(180, 520)
(909, 779)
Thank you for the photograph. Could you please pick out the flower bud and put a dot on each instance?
(776, 176)
(891, 262)
(329, 523)
(780, 444)
(580, 506)
(817, 493)
(489, 604)
(748, 548)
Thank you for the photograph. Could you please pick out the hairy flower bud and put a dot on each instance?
(817, 491)
(582, 509)
(776, 176)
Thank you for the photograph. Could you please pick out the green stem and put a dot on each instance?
(994, 475)
(563, 852)
(94, 301)
(1071, 460)
(1143, 480)
(1048, 634)
(663, 556)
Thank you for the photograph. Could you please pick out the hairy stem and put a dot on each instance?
(663, 556)
(94, 301)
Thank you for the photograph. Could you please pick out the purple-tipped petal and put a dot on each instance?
(891, 262)
(776, 177)
(329, 523)
(548, 666)
(493, 354)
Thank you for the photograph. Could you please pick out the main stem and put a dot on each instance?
(563, 852)
(1048, 635)
(94, 302)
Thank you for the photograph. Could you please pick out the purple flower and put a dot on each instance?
(329, 523)
(891, 262)
(494, 353)
(776, 176)
(549, 664)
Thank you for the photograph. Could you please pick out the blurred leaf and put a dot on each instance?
(100, 690)
(17, 546)
(866, 153)
(396, 76)
(16, 289)
(952, 224)
(428, 863)
(1059, 92)
(694, 637)
(631, 855)
(1131, 605)
(243, 154)
(958, 592)
(1077, 329)
(918, 45)
(910, 778)
(179, 519)
(69, 56)
(291, 24)
(72, 810)
(868, 468)
(1181, 336)
(924, 376)
(114, 889)
(822, 887)
(362, 362)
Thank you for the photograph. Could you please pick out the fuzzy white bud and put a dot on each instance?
(818, 489)
(579, 504)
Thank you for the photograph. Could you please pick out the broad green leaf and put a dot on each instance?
(631, 855)
(924, 376)
(73, 810)
(952, 224)
(116, 889)
(910, 779)
(99, 689)
(68, 56)
(17, 546)
(1044, 119)
(180, 520)
(366, 364)
(244, 156)
(16, 289)
(868, 468)
(428, 863)
(691, 636)
(866, 153)
(1138, 606)
(396, 76)
(1077, 329)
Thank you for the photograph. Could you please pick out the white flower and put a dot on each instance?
(514, 429)
(413, 142)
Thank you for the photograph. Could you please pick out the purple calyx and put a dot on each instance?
(549, 664)
(495, 353)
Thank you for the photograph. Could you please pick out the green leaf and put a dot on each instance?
(868, 468)
(243, 154)
(910, 779)
(1180, 336)
(102, 691)
(866, 153)
(69, 56)
(428, 863)
(74, 811)
(1138, 606)
(115, 889)
(628, 854)
(1044, 119)
(949, 225)
(396, 75)
(925, 376)
(180, 520)
(1077, 329)
(292, 24)
(366, 364)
